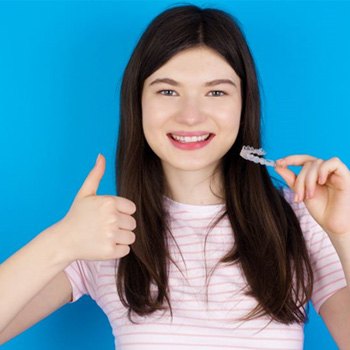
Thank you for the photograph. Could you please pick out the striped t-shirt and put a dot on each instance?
(201, 320)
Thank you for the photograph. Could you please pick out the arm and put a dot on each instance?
(324, 186)
(55, 294)
(28, 271)
(335, 312)
(341, 244)
(32, 282)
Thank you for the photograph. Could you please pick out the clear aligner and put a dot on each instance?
(248, 152)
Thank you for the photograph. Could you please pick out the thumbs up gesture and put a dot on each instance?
(98, 227)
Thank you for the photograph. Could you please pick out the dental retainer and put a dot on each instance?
(249, 153)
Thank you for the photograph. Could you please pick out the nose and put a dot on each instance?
(190, 112)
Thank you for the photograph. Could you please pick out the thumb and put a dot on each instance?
(92, 181)
(287, 174)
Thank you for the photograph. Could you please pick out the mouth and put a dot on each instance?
(190, 142)
(190, 138)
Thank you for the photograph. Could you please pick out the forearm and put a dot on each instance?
(26, 272)
(341, 244)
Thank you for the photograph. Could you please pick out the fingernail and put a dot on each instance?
(282, 162)
(296, 198)
(98, 157)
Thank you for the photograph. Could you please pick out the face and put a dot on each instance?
(195, 93)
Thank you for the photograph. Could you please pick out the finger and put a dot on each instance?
(299, 185)
(126, 222)
(287, 174)
(295, 182)
(334, 166)
(297, 159)
(311, 178)
(125, 237)
(125, 205)
(92, 181)
(120, 250)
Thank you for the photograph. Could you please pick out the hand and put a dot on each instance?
(97, 227)
(324, 186)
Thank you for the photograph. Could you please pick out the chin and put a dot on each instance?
(191, 166)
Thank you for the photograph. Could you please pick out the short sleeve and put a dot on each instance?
(83, 276)
(326, 266)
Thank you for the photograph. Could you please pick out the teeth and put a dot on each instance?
(186, 139)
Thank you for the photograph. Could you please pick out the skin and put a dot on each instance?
(192, 106)
(100, 227)
(324, 187)
(96, 227)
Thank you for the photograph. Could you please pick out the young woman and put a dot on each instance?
(199, 248)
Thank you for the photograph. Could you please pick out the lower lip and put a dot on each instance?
(191, 145)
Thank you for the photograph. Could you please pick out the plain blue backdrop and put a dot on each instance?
(61, 65)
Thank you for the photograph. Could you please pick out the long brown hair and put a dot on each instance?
(269, 243)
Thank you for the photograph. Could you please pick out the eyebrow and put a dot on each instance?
(208, 83)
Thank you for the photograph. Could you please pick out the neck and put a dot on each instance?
(195, 187)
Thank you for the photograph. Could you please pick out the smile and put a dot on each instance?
(190, 142)
(187, 139)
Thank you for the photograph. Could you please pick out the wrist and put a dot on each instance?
(55, 237)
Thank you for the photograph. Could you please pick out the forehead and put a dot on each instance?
(196, 63)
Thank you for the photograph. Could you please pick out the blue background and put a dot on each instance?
(61, 65)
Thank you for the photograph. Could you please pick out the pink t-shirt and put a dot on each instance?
(197, 324)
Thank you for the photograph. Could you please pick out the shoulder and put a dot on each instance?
(88, 271)
(85, 276)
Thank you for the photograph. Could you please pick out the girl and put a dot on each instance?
(199, 248)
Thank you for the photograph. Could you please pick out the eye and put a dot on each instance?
(217, 93)
(167, 92)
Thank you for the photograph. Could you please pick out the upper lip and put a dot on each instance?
(190, 133)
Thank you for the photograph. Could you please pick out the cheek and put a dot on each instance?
(149, 120)
(227, 108)
(151, 124)
(152, 111)
(230, 117)
(154, 121)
